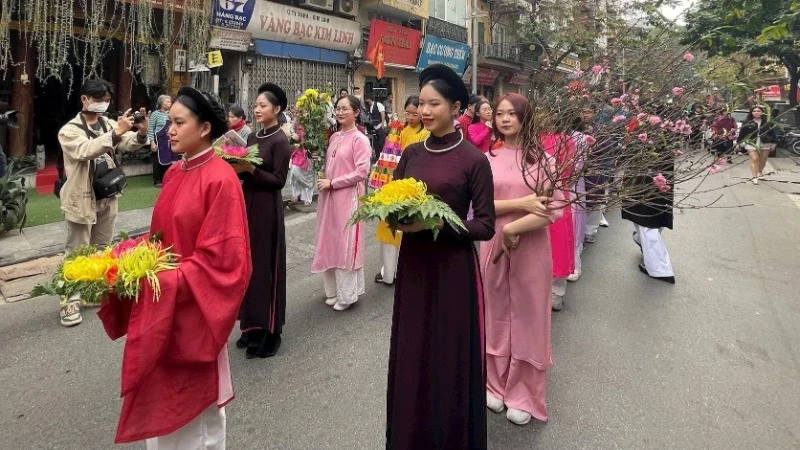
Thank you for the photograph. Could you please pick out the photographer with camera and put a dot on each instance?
(90, 143)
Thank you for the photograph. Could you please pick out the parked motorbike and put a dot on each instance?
(791, 140)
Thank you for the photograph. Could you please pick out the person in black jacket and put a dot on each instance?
(757, 136)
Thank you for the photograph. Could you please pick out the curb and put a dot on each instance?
(136, 232)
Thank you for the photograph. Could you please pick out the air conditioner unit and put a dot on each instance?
(326, 5)
(346, 7)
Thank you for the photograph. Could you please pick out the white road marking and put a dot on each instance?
(795, 198)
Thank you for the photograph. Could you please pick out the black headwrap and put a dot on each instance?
(206, 108)
(457, 91)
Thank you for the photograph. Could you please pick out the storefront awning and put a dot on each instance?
(298, 51)
(486, 77)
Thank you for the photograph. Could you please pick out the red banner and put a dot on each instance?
(400, 44)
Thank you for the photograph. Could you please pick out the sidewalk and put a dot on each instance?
(48, 240)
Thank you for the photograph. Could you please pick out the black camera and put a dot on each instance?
(138, 117)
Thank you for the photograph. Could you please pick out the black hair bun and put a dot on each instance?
(457, 91)
(275, 90)
(207, 107)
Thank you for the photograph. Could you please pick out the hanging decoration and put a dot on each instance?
(50, 27)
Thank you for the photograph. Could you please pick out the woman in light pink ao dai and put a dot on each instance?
(518, 285)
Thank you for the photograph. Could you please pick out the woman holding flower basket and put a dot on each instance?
(176, 377)
(339, 255)
(263, 312)
(436, 396)
(400, 137)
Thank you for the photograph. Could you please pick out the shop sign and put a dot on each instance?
(276, 22)
(225, 39)
(176, 5)
(770, 93)
(438, 50)
(214, 59)
(446, 30)
(518, 78)
(570, 64)
(400, 44)
(486, 77)
(179, 60)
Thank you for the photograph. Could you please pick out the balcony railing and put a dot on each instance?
(508, 52)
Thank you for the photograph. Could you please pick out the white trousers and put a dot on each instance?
(305, 194)
(389, 254)
(656, 257)
(593, 218)
(560, 286)
(205, 432)
(578, 252)
(345, 285)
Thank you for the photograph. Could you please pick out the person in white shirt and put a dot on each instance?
(376, 114)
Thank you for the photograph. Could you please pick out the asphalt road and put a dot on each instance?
(712, 362)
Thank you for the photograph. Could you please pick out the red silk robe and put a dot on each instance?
(170, 368)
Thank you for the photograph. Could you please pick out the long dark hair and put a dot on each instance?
(763, 113)
(522, 107)
(477, 116)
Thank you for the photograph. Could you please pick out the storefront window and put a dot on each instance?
(450, 11)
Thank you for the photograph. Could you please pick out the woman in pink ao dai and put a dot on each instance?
(518, 285)
(339, 252)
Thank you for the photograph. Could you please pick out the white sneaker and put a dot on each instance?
(493, 403)
(558, 302)
(331, 301)
(760, 176)
(341, 306)
(574, 276)
(71, 313)
(518, 417)
(589, 238)
(603, 221)
(755, 180)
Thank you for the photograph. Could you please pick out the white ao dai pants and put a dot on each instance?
(205, 432)
(656, 257)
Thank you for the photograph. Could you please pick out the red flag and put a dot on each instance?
(375, 56)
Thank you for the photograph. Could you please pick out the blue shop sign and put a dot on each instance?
(438, 50)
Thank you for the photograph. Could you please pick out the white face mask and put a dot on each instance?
(98, 107)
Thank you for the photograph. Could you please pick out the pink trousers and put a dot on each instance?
(519, 384)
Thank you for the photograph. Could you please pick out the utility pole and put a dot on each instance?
(474, 47)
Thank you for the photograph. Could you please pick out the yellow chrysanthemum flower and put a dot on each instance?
(311, 93)
(405, 190)
(88, 268)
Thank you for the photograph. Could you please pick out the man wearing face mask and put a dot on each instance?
(91, 145)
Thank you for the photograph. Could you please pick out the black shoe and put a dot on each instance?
(266, 347)
(243, 341)
(379, 279)
(643, 269)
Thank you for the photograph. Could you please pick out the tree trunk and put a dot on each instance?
(22, 98)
